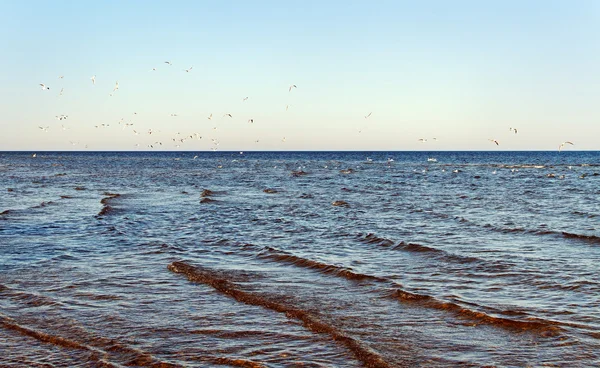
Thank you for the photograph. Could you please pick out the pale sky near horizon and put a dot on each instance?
(463, 72)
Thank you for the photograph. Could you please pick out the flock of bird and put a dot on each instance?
(179, 138)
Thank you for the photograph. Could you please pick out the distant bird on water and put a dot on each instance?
(563, 144)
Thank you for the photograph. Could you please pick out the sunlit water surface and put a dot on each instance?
(471, 259)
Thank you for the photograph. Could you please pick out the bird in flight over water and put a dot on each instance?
(563, 144)
(495, 141)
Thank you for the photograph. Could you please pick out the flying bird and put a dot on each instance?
(209, 117)
(367, 116)
(44, 87)
(188, 70)
(292, 86)
(245, 98)
(93, 78)
(495, 141)
(116, 86)
(61, 76)
(61, 91)
(422, 140)
(563, 144)
(513, 129)
(228, 115)
(251, 121)
(168, 62)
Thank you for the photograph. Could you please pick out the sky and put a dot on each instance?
(454, 73)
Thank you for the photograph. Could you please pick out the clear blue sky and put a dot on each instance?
(463, 72)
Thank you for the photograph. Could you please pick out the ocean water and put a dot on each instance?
(475, 259)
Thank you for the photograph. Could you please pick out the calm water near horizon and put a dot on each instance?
(427, 259)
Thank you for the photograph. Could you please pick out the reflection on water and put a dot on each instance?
(300, 259)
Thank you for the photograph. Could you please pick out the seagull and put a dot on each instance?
(195, 157)
(116, 86)
(563, 144)
(283, 140)
(511, 129)
(495, 141)
(173, 114)
(209, 117)
(188, 70)
(153, 70)
(61, 91)
(245, 99)
(34, 155)
(44, 87)
(228, 115)
(168, 62)
(367, 116)
(251, 121)
(44, 129)
(61, 76)
(292, 86)
(422, 140)
(93, 78)
(287, 107)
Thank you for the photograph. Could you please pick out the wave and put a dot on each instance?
(107, 208)
(567, 235)
(97, 351)
(588, 238)
(371, 238)
(280, 256)
(237, 362)
(547, 328)
(213, 279)
(508, 230)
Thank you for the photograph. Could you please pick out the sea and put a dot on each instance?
(300, 259)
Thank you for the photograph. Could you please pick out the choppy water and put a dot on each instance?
(112, 260)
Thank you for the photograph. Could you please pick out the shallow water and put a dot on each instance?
(477, 259)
